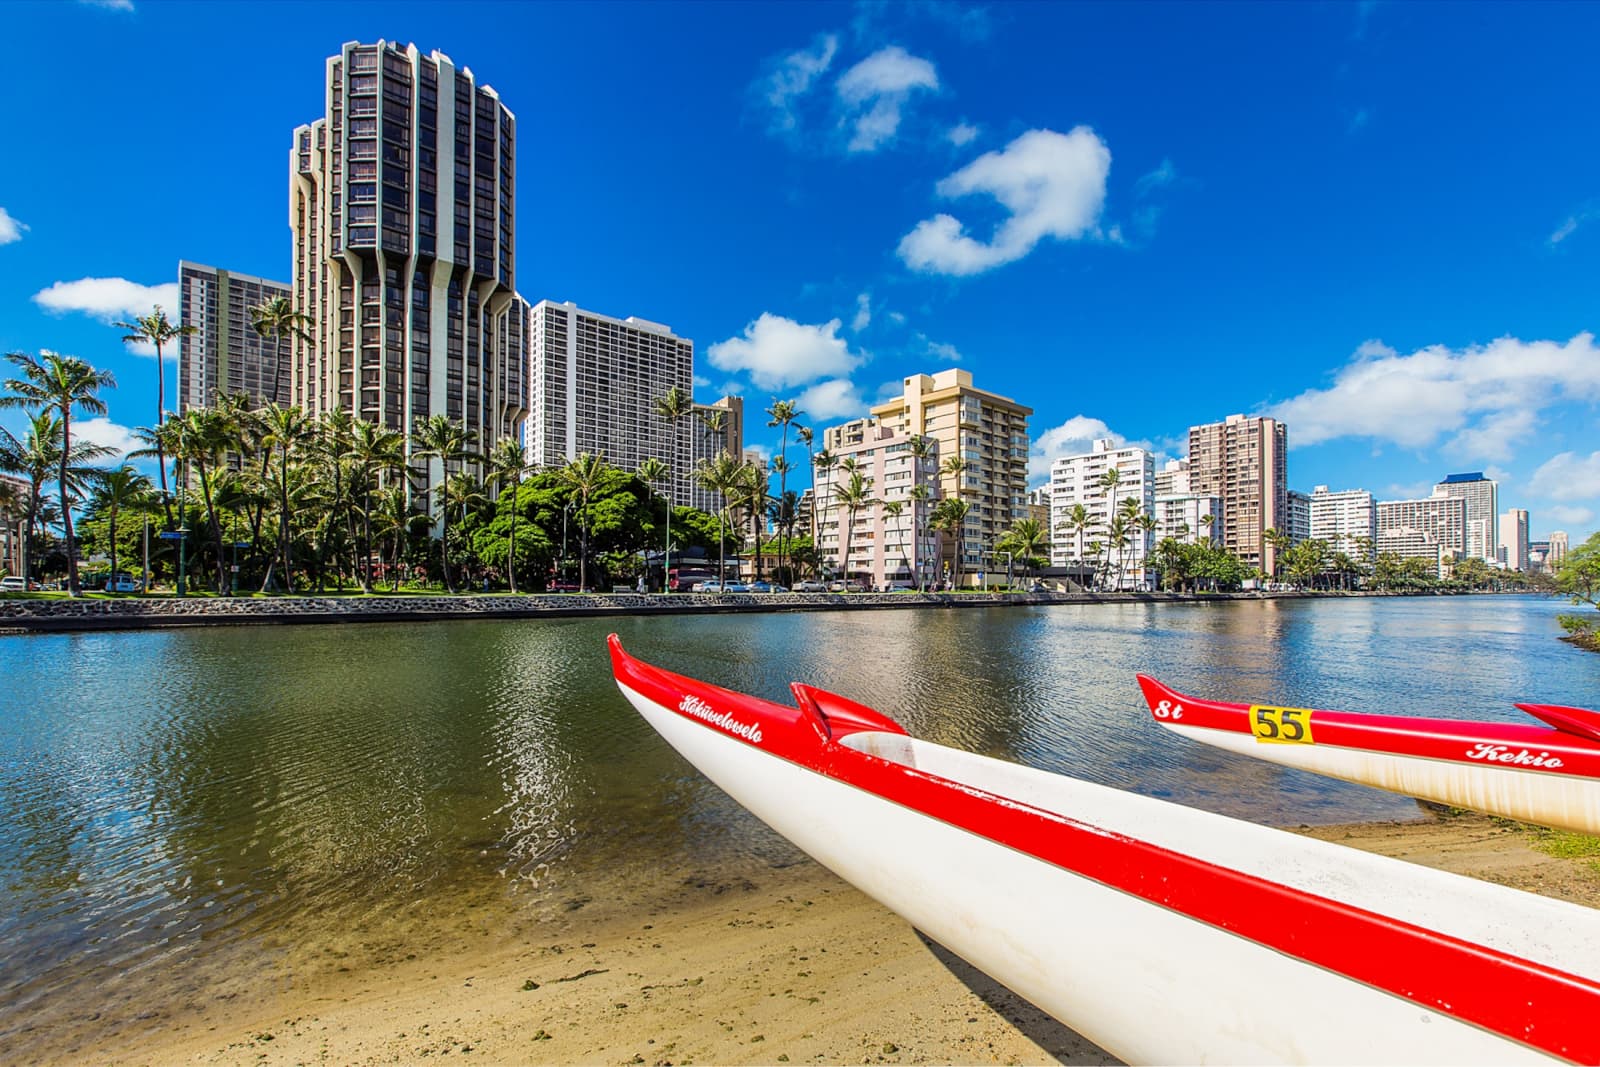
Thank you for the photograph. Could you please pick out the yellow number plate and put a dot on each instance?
(1281, 726)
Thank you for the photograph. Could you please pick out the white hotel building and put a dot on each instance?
(886, 550)
(1077, 480)
(1339, 519)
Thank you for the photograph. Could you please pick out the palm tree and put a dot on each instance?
(35, 456)
(462, 492)
(951, 515)
(674, 407)
(1078, 521)
(285, 429)
(1027, 540)
(395, 519)
(715, 421)
(53, 382)
(806, 436)
(752, 496)
(721, 475)
(448, 441)
(954, 467)
(508, 461)
(854, 497)
(583, 476)
(893, 510)
(1147, 524)
(276, 318)
(919, 495)
(783, 413)
(155, 329)
(202, 439)
(1117, 534)
(654, 471)
(1128, 511)
(822, 465)
(376, 452)
(117, 490)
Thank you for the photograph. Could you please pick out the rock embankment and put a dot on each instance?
(142, 613)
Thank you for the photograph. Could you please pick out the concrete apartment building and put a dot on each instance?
(1483, 511)
(1343, 519)
(1079, 480)
(1244, 462)
(1188, 518)
(1558, 549)
(401, 203)
(1514, 540)
(595, 380)
(14, 493)
(225, 354)
(890, 545)
(986, 430)
(1173, 478)
(1434, 529)
(1298, 524)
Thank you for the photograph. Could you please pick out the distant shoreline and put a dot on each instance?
(27, 615)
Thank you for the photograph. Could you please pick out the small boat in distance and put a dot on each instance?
(1162, 933)
(1548, 775)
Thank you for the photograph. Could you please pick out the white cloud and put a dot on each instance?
(939, 349)
(836, 398)
(876, 89)
(777, 352)
(962, 133)
(863, 312)
(1567, 476)
(791, 78)
(890, 389)
(1570, 226)
(108, 298)
(1496, 436)
(1413, 491)
(1159, 178)
(1358, 121)
(1073, 437)
(1486, 396)
(110, 5)
(1568, 516)
(10, 229)
(102, 431)
(898, 318)
(1053, 184)
(700, 382)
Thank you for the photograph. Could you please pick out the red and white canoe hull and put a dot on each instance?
(1535, 774)
(1152, 954)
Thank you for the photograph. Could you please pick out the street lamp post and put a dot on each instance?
(183, 541)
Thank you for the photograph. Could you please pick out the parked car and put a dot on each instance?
(123, 583)
(766, 587)
(711, 585)
(15, 583)
(840, 585)
(810, 585)
(563, 585)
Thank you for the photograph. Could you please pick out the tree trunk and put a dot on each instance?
(66, 504)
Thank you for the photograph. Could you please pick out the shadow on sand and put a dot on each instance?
(1063, 1044)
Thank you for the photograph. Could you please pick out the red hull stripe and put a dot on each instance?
(1504, 746)
(1520, 999)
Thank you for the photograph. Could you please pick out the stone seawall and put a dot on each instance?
(31, 615)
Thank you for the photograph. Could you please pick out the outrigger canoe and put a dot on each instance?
(1160, 932)
(1548, 775)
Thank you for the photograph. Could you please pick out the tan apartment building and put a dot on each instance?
(1243, 462)
(890, 544)
(986, 430)
(718, 428)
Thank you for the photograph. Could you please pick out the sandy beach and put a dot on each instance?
(791, 966)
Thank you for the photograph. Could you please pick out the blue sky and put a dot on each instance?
(1379, 221)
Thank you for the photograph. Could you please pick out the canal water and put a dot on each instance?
(196, 813)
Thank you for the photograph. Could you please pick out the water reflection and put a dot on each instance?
(188, 813)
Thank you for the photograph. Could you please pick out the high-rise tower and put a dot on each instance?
(401, 202)
(225, 353)
(1483, 509)
(1243, 461)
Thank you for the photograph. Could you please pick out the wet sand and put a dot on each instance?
(788, 965)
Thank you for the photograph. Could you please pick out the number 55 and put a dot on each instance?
(1282, 726)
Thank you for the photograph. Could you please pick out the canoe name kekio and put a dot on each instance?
(1501, 754)
(750, 731)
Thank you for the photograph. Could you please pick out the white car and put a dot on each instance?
(810, 585)
(14, 583)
